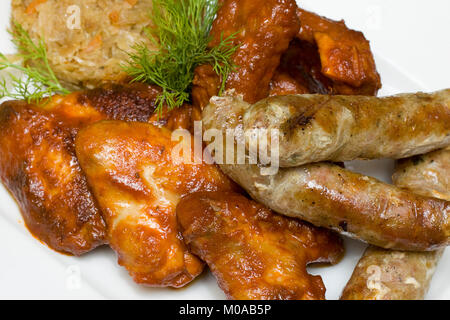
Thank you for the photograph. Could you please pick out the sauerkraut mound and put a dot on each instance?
(86, 40)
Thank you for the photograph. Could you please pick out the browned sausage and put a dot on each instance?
(315, 128)
(395, 275)
(426, 174)
(329, 196)
(391, 275)
(361, 207)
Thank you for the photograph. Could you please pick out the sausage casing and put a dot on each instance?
(394, 275)
(426, 174)
(361, 207)
(391, 275)
(315, 128)
(327, 195)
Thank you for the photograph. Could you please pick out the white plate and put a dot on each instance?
(410, 41)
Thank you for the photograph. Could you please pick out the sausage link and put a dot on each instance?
(361, 207)
(315, 128)
(327, 195)
(425, 174)
(394, 275)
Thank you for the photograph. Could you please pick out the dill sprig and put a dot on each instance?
(39, 80)
(182, 30)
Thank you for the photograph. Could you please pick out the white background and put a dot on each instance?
(411, 42)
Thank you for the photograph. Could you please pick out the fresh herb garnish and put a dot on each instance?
(39, 81)
(182, 28)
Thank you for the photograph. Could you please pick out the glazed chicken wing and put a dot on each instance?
(263, 31)
(138, 183)
(39, 167)
(345, 54)
(300, 72)
(285, 54)
(254, 253)
(326, 58)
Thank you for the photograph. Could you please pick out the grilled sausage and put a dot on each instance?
(364, 208)
(315, 128)
(426, 174)
(327, 195)
(394, 275)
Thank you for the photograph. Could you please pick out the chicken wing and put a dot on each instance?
(345, 54)
(263, 31)
(39, 167)
(138, 181)
(254, 253)
(326, 57)
(300, 72)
